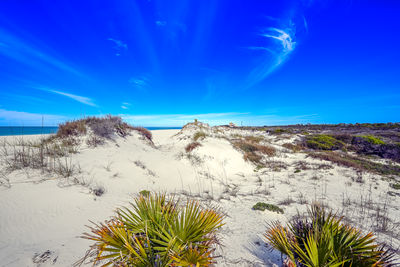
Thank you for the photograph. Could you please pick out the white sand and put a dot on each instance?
(42, 212)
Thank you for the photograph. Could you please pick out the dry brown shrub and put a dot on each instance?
(144, 132)
(267, 150)
(71, 128)
(253, 157)
(293, 147)
(245, 146)
(254, 139)
(190, 147)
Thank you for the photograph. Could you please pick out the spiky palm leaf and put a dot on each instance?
(326, 241)
(157, 231)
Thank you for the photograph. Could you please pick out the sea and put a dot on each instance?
(29, 130)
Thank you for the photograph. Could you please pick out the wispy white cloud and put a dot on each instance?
(13, 47)
(81, 99)
(119, 46)
(281, 36)
(161, 23)
(279, 44)
(125, 105)
(305, 24)
(20, 118)
(247, 119)
(142, 82)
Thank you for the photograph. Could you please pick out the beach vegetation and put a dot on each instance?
(323, 142)
(252, 151)
(372, 139)
(200, 135)
(395, 186)
(98, 191)
(156, 230)
(190, 147)
(253, 138)
(265, 206)
(281, 131)
(292, 147)
(144, 132)
(321, 239)
(94, 141)
(356, 162)
(145, 193)
(71, 128)
(253, 157)
(104, 127)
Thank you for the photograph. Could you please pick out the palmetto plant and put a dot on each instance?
(321, 239)
(156, 231)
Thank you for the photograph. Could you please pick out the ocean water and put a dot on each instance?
(29, 130)
(26, 130)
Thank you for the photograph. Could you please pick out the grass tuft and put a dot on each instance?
(265, 206)
(199, 136)
(190, 147)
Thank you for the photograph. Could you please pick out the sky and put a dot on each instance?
(165, 63)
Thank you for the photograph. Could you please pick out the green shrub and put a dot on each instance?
(145, 193)
(323, 142)
(297, 171)
(373, 139)
(281, 131)
(199, 135)
(395, 186)
(156, 231)
(265, 206)
(321, 239)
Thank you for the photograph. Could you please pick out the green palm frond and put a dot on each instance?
(321, 239)
(157, 231)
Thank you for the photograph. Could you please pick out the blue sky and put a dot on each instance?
(164, 63)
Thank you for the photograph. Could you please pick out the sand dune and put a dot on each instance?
(42, 215)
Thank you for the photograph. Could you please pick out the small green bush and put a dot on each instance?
(297, 171)
(199, 135)
(323, 142)
(281, 131)
(373, 139)
(265, 206)
(144, 193)
(395, 186)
